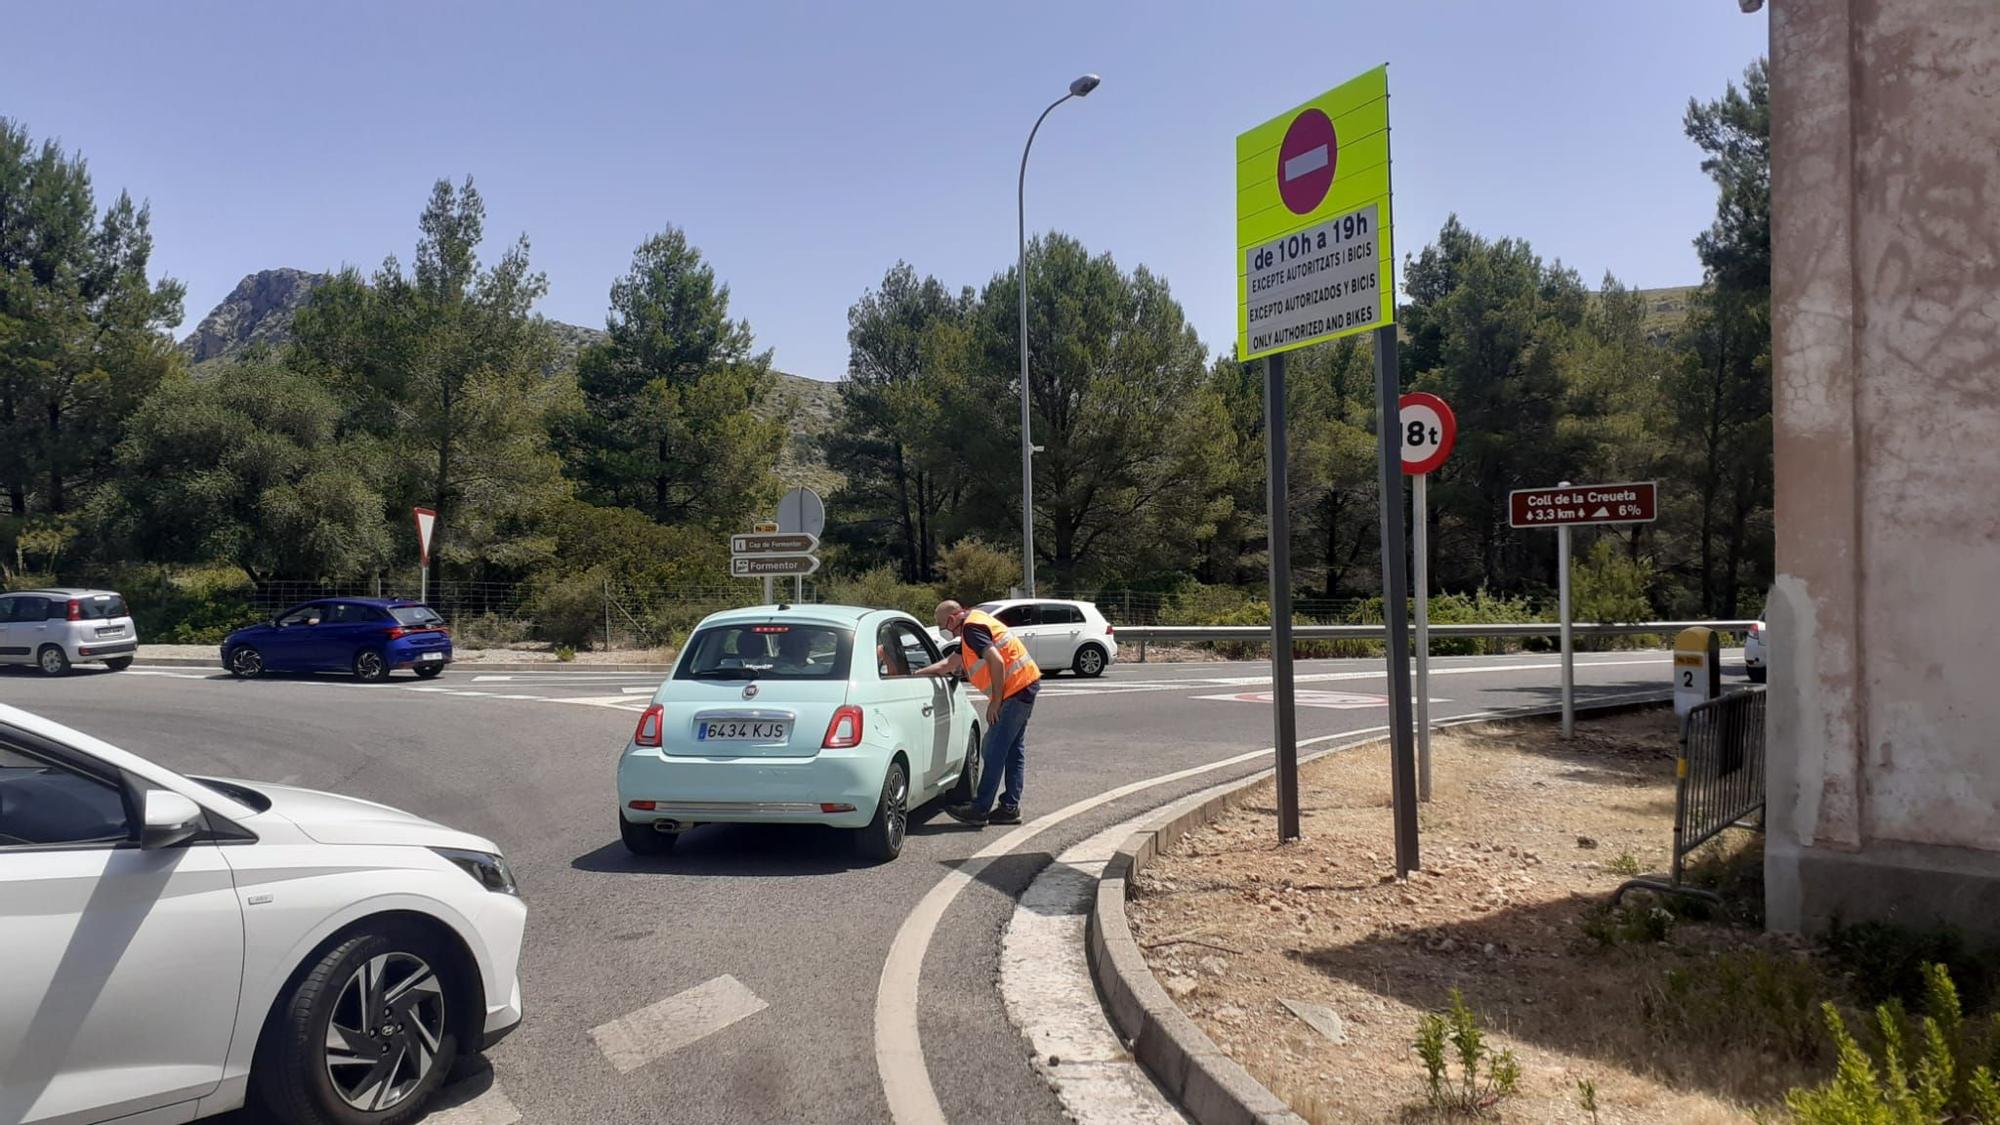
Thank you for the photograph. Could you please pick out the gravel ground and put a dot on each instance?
(1524, 836)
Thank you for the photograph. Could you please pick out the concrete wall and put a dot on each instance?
(1885, 620)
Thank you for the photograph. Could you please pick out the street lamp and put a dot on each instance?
(1077, 89)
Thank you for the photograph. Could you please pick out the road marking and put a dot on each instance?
(490, 679)
(489, 1107)
(1128, 687)
(1046, 984)
(1332, 700)
(899, 1047)
(638, 690)
(631, 1041)
(168, 675)
(615, 702)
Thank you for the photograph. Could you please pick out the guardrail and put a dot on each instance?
(1143, 634)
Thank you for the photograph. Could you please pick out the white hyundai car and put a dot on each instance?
(171, 947)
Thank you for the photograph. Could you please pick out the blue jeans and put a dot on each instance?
(1005, 754)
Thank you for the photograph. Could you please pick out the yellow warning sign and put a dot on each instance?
(1314, 259)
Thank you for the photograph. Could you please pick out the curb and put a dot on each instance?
(1206, 1083)
(483, 665)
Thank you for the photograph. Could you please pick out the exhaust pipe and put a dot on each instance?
(668, 826)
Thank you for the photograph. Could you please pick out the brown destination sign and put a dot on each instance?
(1572, 504)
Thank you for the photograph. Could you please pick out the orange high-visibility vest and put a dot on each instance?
(1019, 669)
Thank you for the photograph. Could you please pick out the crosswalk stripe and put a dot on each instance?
(657, 1030)
(489, 1107)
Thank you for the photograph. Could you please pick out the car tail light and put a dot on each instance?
(1756, 630)
(833, 807)
(647, 733)
(642, 806)
(1110, 630)
(844, 732)
(394, 633)
(75, 610)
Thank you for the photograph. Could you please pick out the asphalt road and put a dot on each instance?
(790, 915)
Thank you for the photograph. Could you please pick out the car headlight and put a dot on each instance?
(491, 871)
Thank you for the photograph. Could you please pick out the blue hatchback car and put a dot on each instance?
(369, 637)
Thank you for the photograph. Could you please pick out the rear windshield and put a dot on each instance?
(89, 607)
(767, 651)
(415, 616)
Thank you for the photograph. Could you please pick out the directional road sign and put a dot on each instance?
(771, 566)
(774, 543)
(1571, 505)
(1313, 259)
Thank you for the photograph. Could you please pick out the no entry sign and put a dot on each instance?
(1306, 161)
(1429, 429)
(1575, 504)
(1313, 254)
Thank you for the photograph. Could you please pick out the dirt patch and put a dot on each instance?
(1524, 841)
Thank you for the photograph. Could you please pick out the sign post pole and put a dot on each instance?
(426, 522)
(1562, 508)
(1568, 649)
(1427, 429)
(1396, 603)
(1422, 579)
(1284, 721)
(1314, 262)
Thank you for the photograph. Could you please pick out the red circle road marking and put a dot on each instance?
(1306, 160)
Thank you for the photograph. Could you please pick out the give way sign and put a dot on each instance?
(426, 520)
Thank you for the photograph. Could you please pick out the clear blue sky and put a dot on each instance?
(807, 146)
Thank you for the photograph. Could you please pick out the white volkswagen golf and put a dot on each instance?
(172, 946)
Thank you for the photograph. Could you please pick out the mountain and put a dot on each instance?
(258, 311)
(261, 307)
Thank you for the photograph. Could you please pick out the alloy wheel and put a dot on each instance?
(897, 810)
(368, 665)
(383, 1035)
(246, 662)
(53, 661)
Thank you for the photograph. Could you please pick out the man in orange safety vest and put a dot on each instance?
(1002, 670)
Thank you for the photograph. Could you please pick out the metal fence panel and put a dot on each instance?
(1718, 783)
(1720, 770)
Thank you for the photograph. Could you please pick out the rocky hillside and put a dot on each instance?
(260, 310)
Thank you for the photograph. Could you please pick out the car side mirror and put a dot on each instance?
(170, 819)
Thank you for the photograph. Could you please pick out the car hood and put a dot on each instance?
(333, 819)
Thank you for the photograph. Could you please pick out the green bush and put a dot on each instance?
(490, 630)
(568, 607)
(1482, 607)
(1749, 1000)
(1947, 1075)
(882, 588)
(1612, 586)
(1884, 962)
(1456, 1033)
(1197, 603)
(974, 572)
(202, 623)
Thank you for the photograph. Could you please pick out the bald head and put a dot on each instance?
(949, 614)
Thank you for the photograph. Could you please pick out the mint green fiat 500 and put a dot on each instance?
(806, 714)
